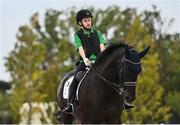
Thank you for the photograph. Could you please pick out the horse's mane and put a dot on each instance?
(108, 51)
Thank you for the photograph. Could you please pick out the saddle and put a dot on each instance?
(68, 80)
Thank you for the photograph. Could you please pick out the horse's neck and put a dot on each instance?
(110, 67)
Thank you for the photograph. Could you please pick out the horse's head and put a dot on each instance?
(126, 67)
(130, 71)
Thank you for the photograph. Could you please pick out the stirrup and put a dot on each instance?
(69, 109)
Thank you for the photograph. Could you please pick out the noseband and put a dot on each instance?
(118, 87)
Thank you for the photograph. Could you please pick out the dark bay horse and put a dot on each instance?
(110, 81)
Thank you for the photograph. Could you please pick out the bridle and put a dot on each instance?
(118, 87)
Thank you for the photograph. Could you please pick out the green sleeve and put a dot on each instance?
(101, 38)
(77, 41)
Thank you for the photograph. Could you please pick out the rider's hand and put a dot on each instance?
(87, 62)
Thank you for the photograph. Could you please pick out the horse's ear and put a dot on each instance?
(144, 52)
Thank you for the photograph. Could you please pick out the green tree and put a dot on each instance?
(167, 46)
(37, 62)
(173, 100)
(170, 72)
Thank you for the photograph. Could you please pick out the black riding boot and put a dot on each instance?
(127, 105)
(73, 87)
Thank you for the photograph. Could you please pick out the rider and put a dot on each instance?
(89, 43)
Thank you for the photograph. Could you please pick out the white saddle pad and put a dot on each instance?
(66, 87)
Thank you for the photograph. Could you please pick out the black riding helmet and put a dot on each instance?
(83, 14)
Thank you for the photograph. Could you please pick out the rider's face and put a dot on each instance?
(86, 22)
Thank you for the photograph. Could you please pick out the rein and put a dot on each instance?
(117, 87)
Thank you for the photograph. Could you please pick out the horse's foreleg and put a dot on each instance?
(67, 118)
(90, 120)
(113, 119)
